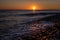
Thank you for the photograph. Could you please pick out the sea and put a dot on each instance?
(29, 25)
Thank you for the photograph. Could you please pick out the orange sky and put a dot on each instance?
(28, 4)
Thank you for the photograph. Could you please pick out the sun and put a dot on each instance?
(34, 8)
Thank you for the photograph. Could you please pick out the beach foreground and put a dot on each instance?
(38, 26)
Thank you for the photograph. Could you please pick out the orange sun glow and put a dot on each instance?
(34, 8)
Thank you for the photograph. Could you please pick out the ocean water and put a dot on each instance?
(23, 24)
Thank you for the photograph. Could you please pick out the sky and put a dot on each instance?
(28, 4)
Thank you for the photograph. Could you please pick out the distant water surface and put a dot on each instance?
(16, 17)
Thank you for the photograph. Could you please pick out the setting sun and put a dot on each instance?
(33, 7)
